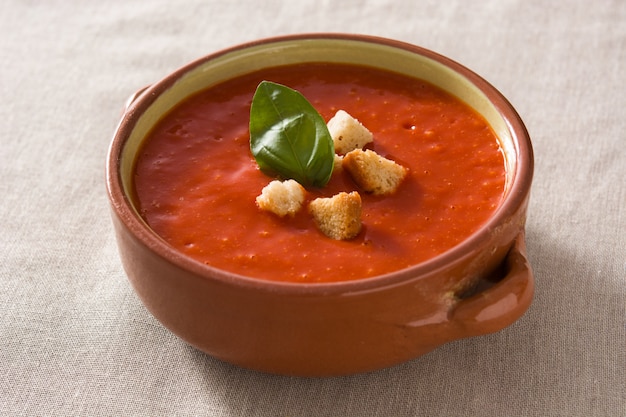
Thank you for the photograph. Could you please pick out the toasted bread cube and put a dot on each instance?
(282, 197)
(337, 163)
(374, 173)
(338, 217)
(348, 133)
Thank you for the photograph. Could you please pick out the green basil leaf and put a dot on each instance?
(288, 137)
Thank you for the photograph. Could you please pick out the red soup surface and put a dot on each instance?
(196, 181)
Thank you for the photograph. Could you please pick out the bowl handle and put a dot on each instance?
(503, 303)
(130, 100)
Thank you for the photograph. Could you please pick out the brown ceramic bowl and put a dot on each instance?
(480, 286)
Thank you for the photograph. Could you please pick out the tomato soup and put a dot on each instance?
(196, 181)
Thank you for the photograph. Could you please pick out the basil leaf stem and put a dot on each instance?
(288, 137)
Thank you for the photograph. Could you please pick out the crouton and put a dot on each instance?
(282, 197)
(338, 217)
(374, 173)
(337, 163)
(348, 133)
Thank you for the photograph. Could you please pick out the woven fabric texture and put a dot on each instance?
(74, 338)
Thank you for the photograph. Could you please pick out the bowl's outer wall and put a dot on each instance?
(314, 334)
(319, 330)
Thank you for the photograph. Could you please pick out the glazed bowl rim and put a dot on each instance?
(122, 205)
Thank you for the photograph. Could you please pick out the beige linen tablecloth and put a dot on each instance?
(74, 338)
